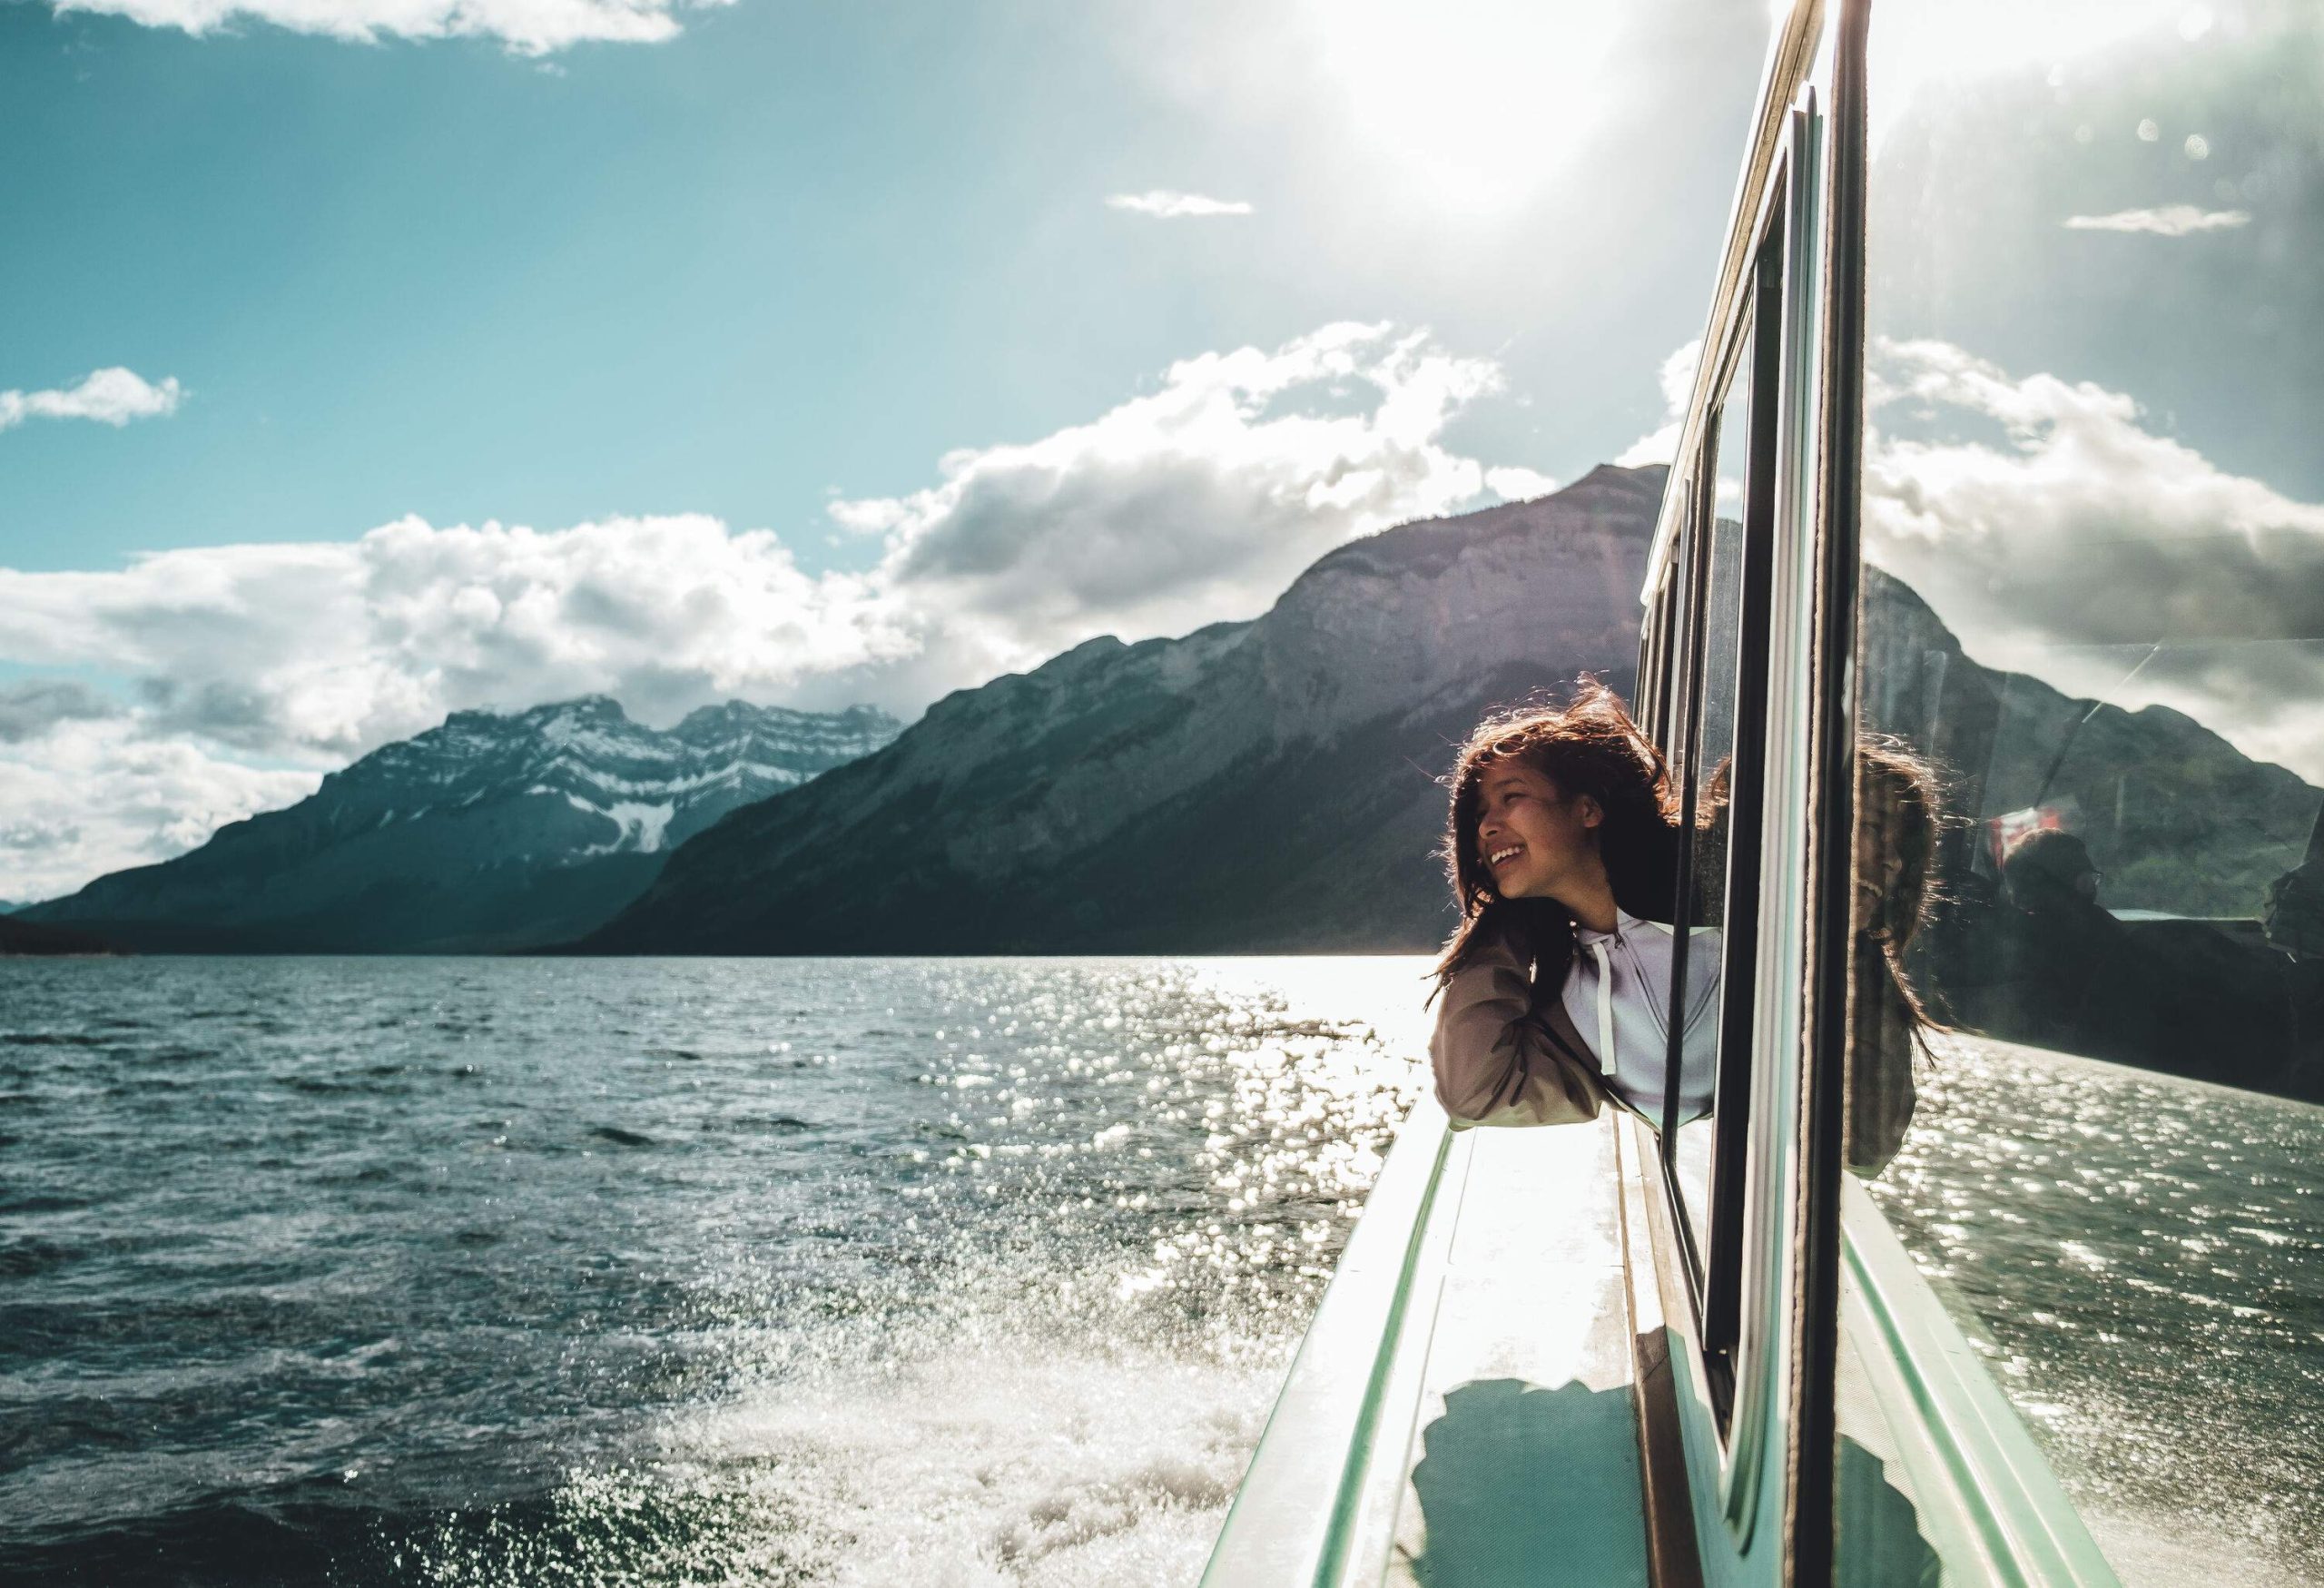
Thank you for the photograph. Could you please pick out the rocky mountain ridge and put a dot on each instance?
(1268, 785)
(487, 832)
(2181, 821)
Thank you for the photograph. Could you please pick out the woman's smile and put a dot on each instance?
(1532, 838)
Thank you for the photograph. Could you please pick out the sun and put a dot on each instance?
(1479, 102)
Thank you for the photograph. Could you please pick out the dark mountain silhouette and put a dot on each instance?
(27, 937)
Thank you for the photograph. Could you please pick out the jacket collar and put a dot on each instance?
(1624, 923)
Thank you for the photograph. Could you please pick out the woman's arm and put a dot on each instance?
(1496, 1061)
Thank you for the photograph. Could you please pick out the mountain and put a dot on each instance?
(489, 831)
(24, 937)
(1252, 786)
(2180, 963)
(2180, 820)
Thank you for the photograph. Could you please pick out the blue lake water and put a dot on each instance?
(471, 1271)
(2142, 1260)
(908, 1272)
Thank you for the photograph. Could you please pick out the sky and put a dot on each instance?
(379, 358)
(376, 359)
(2096, 350)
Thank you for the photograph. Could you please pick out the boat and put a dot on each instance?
(1942, 491)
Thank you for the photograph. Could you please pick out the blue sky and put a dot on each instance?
(428, 354)
(798, 248)
(371, 359)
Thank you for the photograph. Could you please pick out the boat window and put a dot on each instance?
(1715, 757)
(1703, 765)
(2087, 1045)
(1655, 646)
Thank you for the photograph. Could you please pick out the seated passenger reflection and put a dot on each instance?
(2049, 871)
(2040, 958)
(1562, 851)
(2076, 980)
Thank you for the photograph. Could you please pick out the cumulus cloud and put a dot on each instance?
(528, 27)
(110, 397)
(1163, 205)
(331, 649)
(1196, 501)
(1513, 484)
(103, 795)
(2085, 549)
(32, 706)
(2168, 220)
(1677, 379)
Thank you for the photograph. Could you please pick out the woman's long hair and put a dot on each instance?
(1588, 746)
(1900, 816)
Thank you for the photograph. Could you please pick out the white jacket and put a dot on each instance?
(1507, 1054)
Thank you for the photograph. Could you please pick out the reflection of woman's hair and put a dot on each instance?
(1589, 746)
(1899, 817)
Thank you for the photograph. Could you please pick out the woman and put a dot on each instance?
(1562, 851)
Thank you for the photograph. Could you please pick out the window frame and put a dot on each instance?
(1739, 1407)
(1712, 1257)
(1747, 809)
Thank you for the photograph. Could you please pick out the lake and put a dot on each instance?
(905, 1272)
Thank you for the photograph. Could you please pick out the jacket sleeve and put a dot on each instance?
(1496, 1061)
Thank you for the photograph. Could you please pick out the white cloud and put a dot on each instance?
(2081, 541)
(99, 795)
(110, 397)
(528, 27)
(1677, 379)
(1197, 501)
(1165, 205)
(1513, 484)
(328, 650)
(2169, 220)
(33, 706)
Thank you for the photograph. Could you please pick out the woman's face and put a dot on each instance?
(1534, 841)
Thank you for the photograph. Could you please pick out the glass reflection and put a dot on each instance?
(1706, 767)
(1899, 817)
(2093, 514)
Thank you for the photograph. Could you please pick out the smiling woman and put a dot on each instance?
(1558, 984)
(1992, 533)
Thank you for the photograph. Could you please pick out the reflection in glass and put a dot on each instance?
(1899, 815)
(2093, 514)
(1706, 768)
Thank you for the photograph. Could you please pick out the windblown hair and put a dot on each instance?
(1900, 818)
(1588, 746)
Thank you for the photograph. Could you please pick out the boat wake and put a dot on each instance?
(992, 1468)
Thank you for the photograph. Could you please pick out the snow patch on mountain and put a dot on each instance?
(642, 826)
